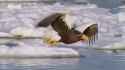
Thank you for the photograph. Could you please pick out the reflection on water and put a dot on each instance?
(93, 61)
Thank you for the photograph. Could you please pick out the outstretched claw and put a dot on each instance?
(51, 41)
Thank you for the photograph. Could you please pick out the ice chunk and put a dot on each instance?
(25, 31)
(2, 40)
(116, 45)
(22, 31)
(121, 16)
(14, 6)
(26, 51)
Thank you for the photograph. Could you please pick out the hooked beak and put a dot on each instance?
(84, 37)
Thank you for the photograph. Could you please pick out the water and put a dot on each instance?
(93, 61)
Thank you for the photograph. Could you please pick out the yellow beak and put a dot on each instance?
(84, 37)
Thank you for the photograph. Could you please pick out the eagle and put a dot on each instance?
(69, 34)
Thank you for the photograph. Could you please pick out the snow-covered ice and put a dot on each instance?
(26, 51)
(121, 16)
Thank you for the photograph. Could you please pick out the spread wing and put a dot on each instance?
(56, 20)
(48, 20)
(91, 32)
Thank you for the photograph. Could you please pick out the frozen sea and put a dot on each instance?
(111, 21)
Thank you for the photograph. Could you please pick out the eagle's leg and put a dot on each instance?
(50, 41)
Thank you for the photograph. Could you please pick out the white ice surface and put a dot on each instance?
(121, 16)
(116, 45)
(3, 41)
(26, 51)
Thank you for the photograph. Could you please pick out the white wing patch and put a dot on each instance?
(68, 20)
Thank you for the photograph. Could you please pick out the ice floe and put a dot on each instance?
(26, 51)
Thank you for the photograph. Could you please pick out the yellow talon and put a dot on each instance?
(50, 41)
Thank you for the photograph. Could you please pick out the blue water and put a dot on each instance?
(91, 61)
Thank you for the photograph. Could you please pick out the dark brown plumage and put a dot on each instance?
(68, 35)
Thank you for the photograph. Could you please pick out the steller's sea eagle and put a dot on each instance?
(67, 33)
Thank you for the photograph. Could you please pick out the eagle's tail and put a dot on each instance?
(92, 33)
